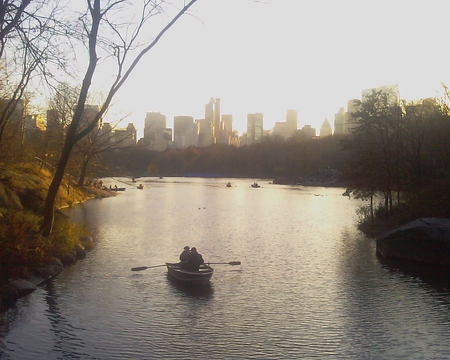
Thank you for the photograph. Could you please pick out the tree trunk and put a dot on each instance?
(83, 171)
(49, 209)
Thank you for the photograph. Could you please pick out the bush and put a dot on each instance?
(24, 247)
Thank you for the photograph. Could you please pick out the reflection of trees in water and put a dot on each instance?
(437, 276)
(11, 317)
(63, 331)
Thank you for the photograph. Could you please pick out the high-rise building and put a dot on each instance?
(339, 122)
(123, 138)
(255, 130)
(192, 135)
(180, 127)
(154, 121)
(225, 129)
(307, 132)
(217, 125)
(291, 121)
(156, 135)
(351, 122)
(325, 129)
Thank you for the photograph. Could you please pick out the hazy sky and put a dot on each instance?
(269, 56)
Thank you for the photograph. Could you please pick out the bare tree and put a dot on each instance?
(94, 20)
(29, 33)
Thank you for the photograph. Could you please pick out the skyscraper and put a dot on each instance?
(254, 128)
(291, 121)
(325, 129)
(180, 128)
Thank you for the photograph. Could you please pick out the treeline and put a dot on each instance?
(401, 152)
(295, 157)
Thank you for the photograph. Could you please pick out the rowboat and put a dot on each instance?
(200, 276)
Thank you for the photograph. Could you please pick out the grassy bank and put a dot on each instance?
(23, 188)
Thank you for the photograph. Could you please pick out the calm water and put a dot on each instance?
(310, 285)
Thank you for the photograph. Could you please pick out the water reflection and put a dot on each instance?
(198, 291)
(437, 276)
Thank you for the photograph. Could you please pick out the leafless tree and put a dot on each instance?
(100, 18)
(29, 38)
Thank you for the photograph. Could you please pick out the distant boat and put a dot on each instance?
(117, 189)
(228, 184)
(255, 185)
(140, 186)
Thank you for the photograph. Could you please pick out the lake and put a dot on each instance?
(310, 284)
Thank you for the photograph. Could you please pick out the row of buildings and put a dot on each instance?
(214, 128)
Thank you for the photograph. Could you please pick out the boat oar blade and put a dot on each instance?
(140, 268)
(234, 263)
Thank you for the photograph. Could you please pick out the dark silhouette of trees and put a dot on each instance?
(399, 150)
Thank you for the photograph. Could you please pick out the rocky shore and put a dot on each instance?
(27, 190)
(18, 287)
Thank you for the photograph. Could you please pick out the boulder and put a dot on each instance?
(426, 240)
(87, 242)
(79, 250)
(23, 286)
(55, 266)
(69, 259)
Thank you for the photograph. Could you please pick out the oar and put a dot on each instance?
(145, 267)
(227, 263)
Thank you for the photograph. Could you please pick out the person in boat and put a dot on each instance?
(184, 256)
(194, 261)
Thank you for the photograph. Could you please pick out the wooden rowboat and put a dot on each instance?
(201, 276)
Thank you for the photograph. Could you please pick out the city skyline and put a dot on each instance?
(313, 58)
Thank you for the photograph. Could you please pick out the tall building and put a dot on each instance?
(255, 130)
(154, 121)
(123, 138)
(156, 135)
(217, 124)
(89, 113)
(325, 129)
(351, 122)
(204, 132)
(307, 132)
(207, 127)
(291, 121)
(192, 135)
(339, 122)
(225, 132)
(180, 128)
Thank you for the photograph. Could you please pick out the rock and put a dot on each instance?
(79, 250)
(55, 266)
(43, 272)
(23, 286)
(426, 240)
(69, 259)
(87, 242)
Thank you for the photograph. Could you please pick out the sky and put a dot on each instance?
(269, 56)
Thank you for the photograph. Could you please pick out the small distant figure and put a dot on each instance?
(194, 261)
(184, 256)
(115, 186)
